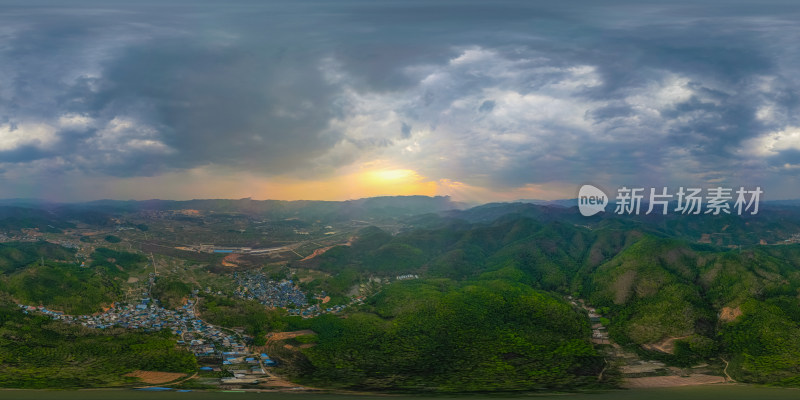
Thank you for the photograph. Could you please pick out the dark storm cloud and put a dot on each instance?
(232, 106)
(498, 93)
(23, 154)
(209, 93)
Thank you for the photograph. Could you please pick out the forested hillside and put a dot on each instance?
(41, 273)
(738, 303)
(440, 335)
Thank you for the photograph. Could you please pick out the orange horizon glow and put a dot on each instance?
(367, 180)
(367, 183)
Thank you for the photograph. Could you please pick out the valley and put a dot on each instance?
(445, 301)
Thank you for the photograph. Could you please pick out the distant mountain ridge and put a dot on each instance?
(31, 213)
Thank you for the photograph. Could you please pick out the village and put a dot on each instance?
(233, 362)
(225, 356)
(202, 338)
(257, 286)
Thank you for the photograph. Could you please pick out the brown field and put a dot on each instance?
(274, 337)
(671, 381)
(665, 346)
(322, 250)
(317, 252)
(729, 314)
(231, 260)
(275, 382)
(155, 377)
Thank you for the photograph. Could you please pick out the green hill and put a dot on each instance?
(652, 285)
(15, 255)
(46, 274)
(491, 335)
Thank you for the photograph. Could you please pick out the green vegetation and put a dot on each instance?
(171, 292)
(487, 315)
(764, 344)
(651, 287)
(662, 288)
(256, 319)
(112, 239)
(37, 352)
(32, 277)
(117, 263)
(337, 286)
(441, 336)
(306, 339)
(15, 255)
(64, 287)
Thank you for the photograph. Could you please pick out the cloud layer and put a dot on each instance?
(497, 97)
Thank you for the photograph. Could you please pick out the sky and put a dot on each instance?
(333, 100)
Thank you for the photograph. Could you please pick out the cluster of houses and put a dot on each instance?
(28, 235)
(66, 243)
(202, 338)
(795, 238)
(285, 294)
(257, 286)
(317, 310)
(245, 368)
(599, 332)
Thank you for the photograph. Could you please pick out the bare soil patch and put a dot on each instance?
(276, 336)
(317, 252)
(231, 260)
(665, 346)
(729, 314)
(672, 381)
(155, 377)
